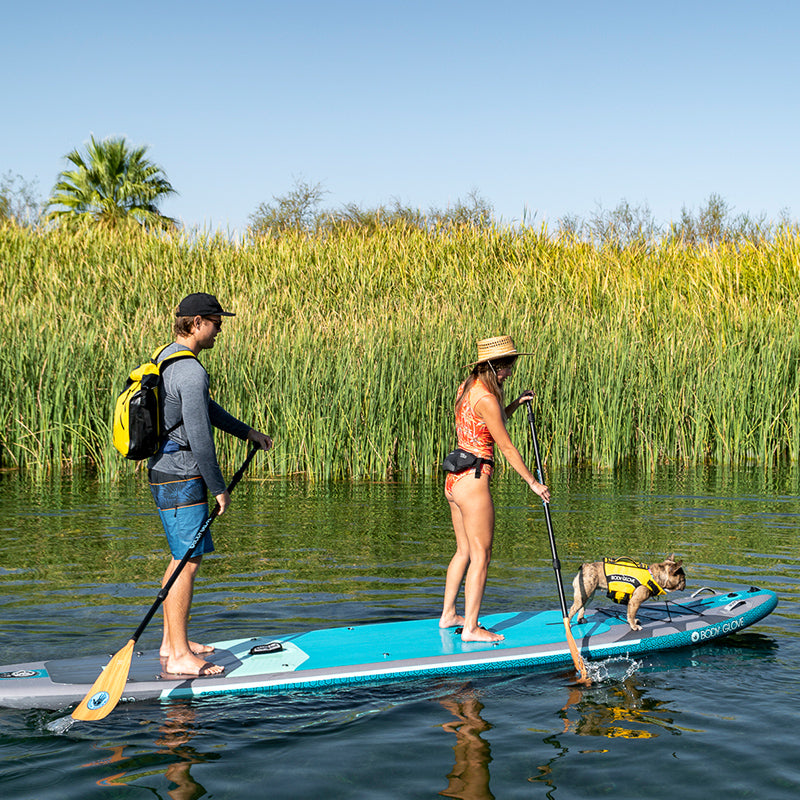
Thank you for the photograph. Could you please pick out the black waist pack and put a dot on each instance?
(461, 460)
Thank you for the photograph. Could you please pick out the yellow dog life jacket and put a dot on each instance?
(624, 575)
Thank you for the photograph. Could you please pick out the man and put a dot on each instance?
(186, 468)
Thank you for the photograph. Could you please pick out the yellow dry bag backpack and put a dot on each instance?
(138, 415)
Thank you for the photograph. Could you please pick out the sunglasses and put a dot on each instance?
(217, 323)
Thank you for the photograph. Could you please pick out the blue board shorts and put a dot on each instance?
(183, 507)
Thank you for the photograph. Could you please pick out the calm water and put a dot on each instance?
(80, 564)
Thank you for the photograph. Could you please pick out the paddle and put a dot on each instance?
(580, 666)
(104, 695)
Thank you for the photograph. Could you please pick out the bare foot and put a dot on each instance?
(451, 621)
(190, 664)
(197, 649)
(480, 635)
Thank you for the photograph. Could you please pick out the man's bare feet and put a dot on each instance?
(451, 621)
(190, 664)
(197, 649)
(480, 635)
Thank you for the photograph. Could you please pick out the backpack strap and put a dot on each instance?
(162, 365)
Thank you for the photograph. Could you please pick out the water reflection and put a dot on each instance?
(469, 778)
(622, 710)
(176, 731)
(615, 709)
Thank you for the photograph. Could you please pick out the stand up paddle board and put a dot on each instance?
(396, 651)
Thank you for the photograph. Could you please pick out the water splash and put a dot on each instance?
(60, 725)
(616, 668)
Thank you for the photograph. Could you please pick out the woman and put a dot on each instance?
(480, 424)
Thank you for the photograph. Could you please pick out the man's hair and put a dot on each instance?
(183, 325)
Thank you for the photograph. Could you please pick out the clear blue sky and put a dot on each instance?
(551, 107)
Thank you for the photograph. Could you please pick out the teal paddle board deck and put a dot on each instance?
(396, 651)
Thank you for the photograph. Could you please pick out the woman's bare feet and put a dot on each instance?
(451, 620)
(480, 635)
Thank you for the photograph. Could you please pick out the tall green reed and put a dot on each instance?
(348, 347)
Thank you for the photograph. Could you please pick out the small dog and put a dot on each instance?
(667, 576)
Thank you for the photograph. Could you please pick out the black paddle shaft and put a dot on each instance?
(540, 474)
(198, 536)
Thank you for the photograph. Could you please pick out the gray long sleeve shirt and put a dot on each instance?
(186, 398)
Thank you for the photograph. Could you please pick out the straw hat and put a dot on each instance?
(496, 348)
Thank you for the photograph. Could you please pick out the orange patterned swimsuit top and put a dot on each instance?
(472, 432)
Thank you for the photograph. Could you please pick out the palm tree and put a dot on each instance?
(113, 184)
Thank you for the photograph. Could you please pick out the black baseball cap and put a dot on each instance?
(201, 304)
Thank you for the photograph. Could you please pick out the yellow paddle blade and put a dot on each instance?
(580, 664)
(104, 695)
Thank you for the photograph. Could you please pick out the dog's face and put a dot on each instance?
(669, 574)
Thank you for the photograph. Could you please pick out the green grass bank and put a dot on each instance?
(348, 347)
